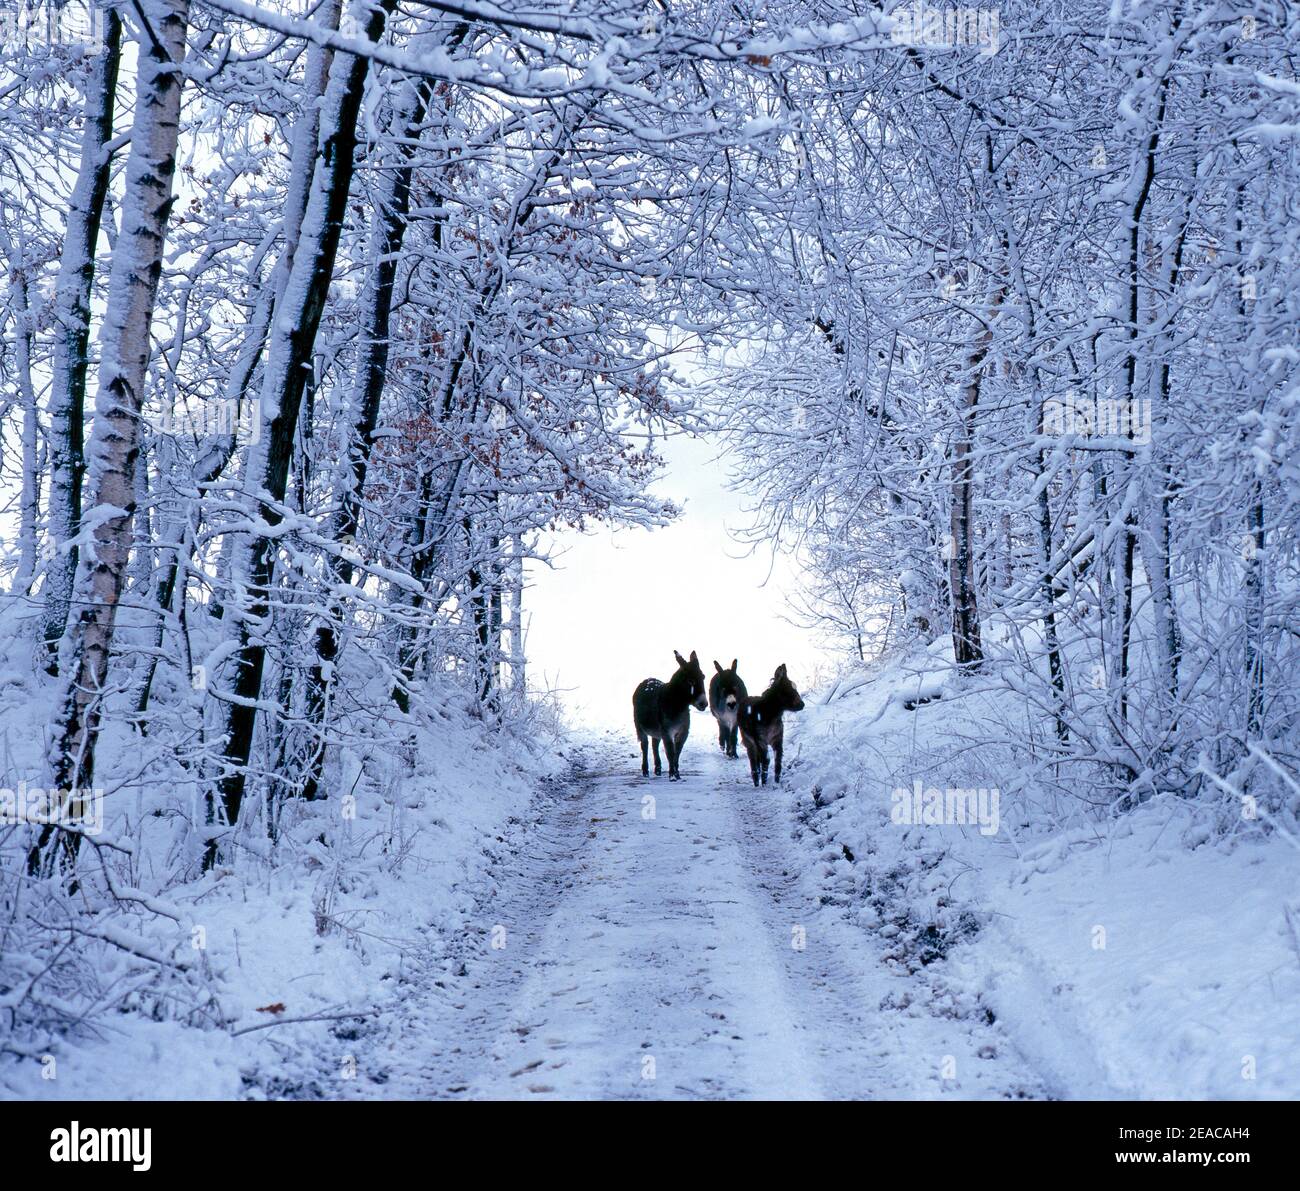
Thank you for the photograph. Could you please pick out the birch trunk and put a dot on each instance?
(72, 333)
(221, 449)
(518, 678)
(124, 356)
(30, 498)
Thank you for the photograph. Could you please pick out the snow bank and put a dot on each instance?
(1138, 955)
(325, 925)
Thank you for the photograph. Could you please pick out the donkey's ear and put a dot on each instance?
(681, 661)
(780, 670)
(716, 666)
(733, 665)
(694, 660)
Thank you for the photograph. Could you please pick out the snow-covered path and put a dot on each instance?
(672, 949)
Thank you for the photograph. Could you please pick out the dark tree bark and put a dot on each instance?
(293, 340)
(387, 234)
(69, 365)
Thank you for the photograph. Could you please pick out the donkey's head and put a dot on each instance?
(729, 685)
(690, 676)
(782, 690)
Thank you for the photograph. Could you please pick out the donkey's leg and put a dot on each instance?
(670, 747)
(777, 749)
(764, 758)
(731, 741)
(722, 736)
(679, 743)
(751, 747)
(658, 768)
(645, 761)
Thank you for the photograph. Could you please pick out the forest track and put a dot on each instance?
(672, 949)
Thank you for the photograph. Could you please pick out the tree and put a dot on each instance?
(124, 358)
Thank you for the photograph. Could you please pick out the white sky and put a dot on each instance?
(618, 603)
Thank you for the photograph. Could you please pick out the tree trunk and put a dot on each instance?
(967, 648)
(1255, 614)
(30, 498)
(434, 518)
(518, 676)
(221, 449)
(124, 358)
(1128, 541)
(293, 338)
(388, 231)
(72, 333)
(1047, 590)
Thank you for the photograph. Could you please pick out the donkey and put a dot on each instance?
(662, 711)
(760, 723)
(726, 694)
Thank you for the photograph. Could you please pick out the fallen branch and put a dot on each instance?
(286, 1021)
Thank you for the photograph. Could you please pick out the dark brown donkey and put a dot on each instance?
(662, 711)
(760, 723)
(726, 693)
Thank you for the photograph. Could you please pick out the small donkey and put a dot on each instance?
(662, 711)
(726, 693)
(760, 723)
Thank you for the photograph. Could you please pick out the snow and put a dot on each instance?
(657, 941)
(1139, 958)
(326, 931)
(1199, 974)
(350, 851)
(546, 924)
(554, 926)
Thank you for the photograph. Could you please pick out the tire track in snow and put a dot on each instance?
(655, 957)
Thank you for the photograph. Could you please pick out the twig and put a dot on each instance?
(285, 1021)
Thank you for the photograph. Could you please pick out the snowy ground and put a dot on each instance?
(318, 928)
(1147, 955)
(496, 925)
(676, 954)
